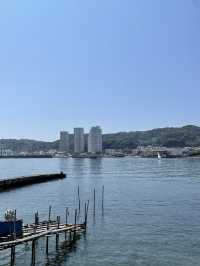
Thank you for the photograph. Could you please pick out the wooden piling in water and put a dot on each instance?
(66, 215)
(50, 213)
(79, 201)
(57, 240)
(47, 240)
(94, 207)
(75, 220)
(85, 212)
(14, 238)
(36, 218)
(12, 263)
(33, 253)
(57, 235)
(58, 222)
(102, 203)
(66, 220)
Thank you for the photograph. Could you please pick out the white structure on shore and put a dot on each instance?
(79, 143)
(95, 140)
(64, 141)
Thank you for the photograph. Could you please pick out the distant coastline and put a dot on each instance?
(187, 137)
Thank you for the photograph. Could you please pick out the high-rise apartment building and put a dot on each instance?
(95, 140)
(79, 143)
(64, 141)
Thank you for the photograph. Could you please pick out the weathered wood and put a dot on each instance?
(75, 220)
(50, 213)
(102, 203)
(12, 262)
(33, 253)
(57, 240)
(66, 215)
(79, 200)
(15, 218)
(47, 244)
(41, 233)
(47, 240)
(94, 209)
(58, 222)
(87, 208)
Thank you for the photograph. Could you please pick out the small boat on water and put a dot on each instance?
(159, 156)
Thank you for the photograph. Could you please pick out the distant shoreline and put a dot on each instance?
(26, 157)
(103, 157)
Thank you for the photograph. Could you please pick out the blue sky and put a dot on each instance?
(125, 65)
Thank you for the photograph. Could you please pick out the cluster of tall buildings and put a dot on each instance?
(94, 141)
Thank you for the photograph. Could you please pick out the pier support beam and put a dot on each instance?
(94, 207)
(12, 262)
(57, 241)
(33, 253)
(75, 220)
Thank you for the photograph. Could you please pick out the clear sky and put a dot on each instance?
(122, 64)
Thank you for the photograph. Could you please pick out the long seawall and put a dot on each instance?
(7, 184)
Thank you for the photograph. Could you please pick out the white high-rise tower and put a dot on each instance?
(64, 141)
(79, 143)
(95, 140)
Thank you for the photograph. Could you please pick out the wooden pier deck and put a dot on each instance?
(33, 232)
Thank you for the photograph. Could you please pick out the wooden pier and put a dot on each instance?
(33, 232)
(12, 183)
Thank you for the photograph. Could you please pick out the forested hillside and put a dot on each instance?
(168, 137)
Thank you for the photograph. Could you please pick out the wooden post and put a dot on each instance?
(58, 222)
(66, 221)
(57, 240)
(70, 236)
(47, 240)
(94, 202)
(50, 213)
(14, 237)
(34, 229)
(57, 235)
(102, 206)
(47, 245)
(75, 219)
(87, 212)
(36, 218)
(12, 263)
(33, 253)
(14, 225)
(79, 200)
(66, 215)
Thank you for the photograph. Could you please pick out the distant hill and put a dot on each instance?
(168, 137)
(27, 145)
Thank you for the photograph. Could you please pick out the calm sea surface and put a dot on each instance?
(151, 216)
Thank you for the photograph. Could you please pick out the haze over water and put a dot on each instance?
(151, 216)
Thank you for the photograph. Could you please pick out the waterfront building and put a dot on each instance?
(79, 143)
(95, 140)
(5, 152)
(64, 141)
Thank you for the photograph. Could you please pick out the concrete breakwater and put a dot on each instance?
(17, 182)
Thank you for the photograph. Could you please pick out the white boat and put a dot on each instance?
(159, 156)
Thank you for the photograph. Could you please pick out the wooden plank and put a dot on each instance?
(38, 234)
